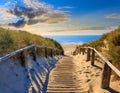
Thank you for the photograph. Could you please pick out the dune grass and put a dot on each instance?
(11, 40)
(113, 42)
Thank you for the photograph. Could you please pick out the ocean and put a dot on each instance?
(73, 39)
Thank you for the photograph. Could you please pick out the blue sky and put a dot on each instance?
(61, 17)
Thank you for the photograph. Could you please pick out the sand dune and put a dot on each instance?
(89, 75)
(68, 48)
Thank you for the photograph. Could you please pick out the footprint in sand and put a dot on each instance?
(97, 74)
(88, 72)
(92, 75)
(88, 80)
(88, 66)
(80, 73)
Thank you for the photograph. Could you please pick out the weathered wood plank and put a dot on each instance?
(106, 60)
(107, 68)
(46, 52)
(16, 52)
(93, 57)
(24, 58)
(35, 54)
(88, 54)
(106, 76)
(51, 54)
(108, 63)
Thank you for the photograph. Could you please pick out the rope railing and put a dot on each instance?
(107, 66)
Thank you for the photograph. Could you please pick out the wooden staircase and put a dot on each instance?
(63, 78)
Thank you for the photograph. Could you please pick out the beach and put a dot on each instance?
(69, 48)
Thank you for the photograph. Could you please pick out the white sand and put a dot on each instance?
(30, 79)
(16, 79)
(69, 48)
(90, 75)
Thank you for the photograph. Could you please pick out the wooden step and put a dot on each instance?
(62, 78)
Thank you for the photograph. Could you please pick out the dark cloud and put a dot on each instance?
(34, 21)
(20, 23)
(33, 15)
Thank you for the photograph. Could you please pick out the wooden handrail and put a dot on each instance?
(105, 60)
(43, 47)
(107, 66)
(47, 47)
(108, 63)
(33, 52)
(16, 52)
(21, 50)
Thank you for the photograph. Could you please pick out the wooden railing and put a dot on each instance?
(107, 66)
(44, 67)
(24, 52)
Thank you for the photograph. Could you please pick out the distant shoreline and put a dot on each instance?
(71, 43)
(69, 48)
(74, 39)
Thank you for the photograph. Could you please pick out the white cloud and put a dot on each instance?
(5, 17)
(34, 12)
(66, 7)
(36, 4)
(113, 16)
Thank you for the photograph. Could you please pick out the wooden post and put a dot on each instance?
(93, 57)
(106, 76)
(62, 53)
(57, 52)
(82, 51)
(24, 58)
(51, 53)
(46, 54)
(88, 54)
(35, 54)
(54, 52)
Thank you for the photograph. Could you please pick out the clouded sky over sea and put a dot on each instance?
(61, 17)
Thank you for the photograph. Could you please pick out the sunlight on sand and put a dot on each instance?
(89, 75)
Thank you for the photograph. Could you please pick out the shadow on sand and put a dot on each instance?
(112, 90)
(97, 67)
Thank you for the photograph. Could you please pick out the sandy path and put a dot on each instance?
(68, 48)
(72, 74)
(63, 78)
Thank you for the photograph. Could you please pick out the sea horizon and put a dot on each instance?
(73, 39)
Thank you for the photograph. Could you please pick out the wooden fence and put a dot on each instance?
(107, 66)
(24, 53)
